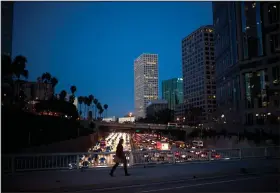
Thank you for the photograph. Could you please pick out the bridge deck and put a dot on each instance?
(99, 178)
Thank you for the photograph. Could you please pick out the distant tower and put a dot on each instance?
(199, 72)
(145, 82)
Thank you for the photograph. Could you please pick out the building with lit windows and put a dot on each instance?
(145, 82)
(156, 106)
(199, 85)
(226, 59)
(247, 45)
(172, 92)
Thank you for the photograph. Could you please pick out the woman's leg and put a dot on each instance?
(114, 168)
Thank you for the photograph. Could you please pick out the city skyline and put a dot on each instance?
(105, 53)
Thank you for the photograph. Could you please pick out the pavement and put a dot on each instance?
(99, 179)
(233, 183)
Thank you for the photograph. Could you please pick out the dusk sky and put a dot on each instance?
(92, 45)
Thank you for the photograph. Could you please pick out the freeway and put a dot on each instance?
(233, 183)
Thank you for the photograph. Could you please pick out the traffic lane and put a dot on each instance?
(268, 183)
(238, 183)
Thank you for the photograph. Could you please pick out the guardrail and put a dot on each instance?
(58, 161)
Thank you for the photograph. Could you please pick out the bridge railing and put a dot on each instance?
(60, 161)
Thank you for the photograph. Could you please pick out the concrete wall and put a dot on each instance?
(80, 144)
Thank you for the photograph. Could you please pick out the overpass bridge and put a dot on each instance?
(142, 126)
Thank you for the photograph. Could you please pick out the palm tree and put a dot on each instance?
(80, 101)
(95, 101)
(13, 69)
(106, 107)
(46, 79)
(99, 107)
(62, 95)
(18, 67)
(100, 112)
(85, 105)
(89, 101)
(91, 98)
(73, 89)
(54, 81)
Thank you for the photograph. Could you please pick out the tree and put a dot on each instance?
(73, 89)
(105, 107)
(46, 79)
(62, 95)
(100, 112)
(54, 81)
(85, 105)
(18, 67)
(72, 99)
(99, 107)
(95, 101)
(13, 69)
(89, 102)
(80, 101)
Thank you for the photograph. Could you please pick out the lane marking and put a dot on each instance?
(160, 183)
(202, 184)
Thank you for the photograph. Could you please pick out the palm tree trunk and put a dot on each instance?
(85, 111)
(95, 112)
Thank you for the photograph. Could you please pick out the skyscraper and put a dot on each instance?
(145, 82)
(247, 46)
(199, 73)
(172, 92)
(7, 8)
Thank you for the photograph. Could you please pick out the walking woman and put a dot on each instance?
(120, 158)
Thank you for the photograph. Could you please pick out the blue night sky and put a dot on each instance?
(92, 45)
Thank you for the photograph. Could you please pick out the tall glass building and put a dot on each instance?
(145, 82)
(226, 56)
(198, 64)
(247, 53)
(172, 92)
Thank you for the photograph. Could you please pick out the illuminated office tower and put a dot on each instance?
(145, 82)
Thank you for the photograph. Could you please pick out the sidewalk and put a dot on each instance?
(71, 180)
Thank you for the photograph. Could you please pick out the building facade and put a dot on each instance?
(126, 119)
(199, 84)
(172, 92)
(156, 106)
(35, 90)
(179, 113)
(145, 82)
(226, 58)
(7, 12)
(251, 79)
